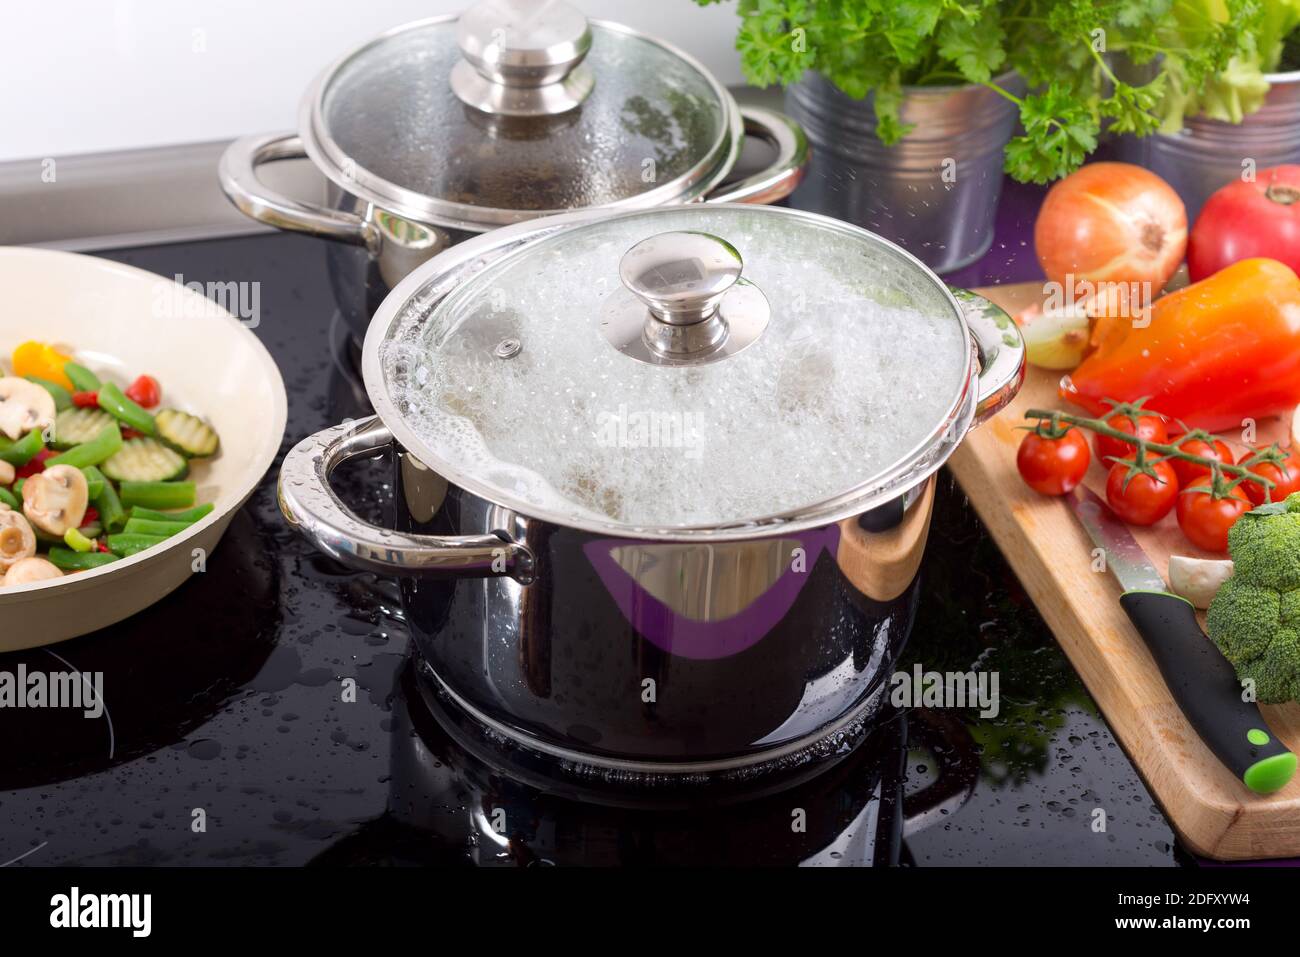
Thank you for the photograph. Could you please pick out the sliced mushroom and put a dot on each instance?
(55, 500)
(30, 570)
(7, 473)
(24, 406)
(17, 540)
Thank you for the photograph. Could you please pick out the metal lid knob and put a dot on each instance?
(681, 276)
(522, 57)
(693, 305)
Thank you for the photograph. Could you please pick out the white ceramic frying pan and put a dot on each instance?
(122, 322)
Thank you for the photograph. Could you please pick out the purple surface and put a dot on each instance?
(1011, 257)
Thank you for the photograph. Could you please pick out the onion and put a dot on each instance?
(1107, 225)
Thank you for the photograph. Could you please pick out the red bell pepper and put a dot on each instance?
(1213, 354)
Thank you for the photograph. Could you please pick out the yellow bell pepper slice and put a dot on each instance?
(43, 361)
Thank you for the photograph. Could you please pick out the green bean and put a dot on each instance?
(23, 450)
(82, 379)
(160, 495)
(9, 498)
(128, 544)
(111, 513)
(101, 447)
(62, 397)
(147, 526)
(94, 482)
(70, 561)
(115, 403)
(189, 516)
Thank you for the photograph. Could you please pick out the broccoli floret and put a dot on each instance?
(1254, 618)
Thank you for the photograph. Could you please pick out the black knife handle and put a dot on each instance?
(1206, 688)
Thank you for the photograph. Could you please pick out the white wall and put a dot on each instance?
(80, 76)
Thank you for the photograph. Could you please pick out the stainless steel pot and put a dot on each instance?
(441, 129)
(641, 650)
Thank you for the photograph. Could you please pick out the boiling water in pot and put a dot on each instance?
(508, 378)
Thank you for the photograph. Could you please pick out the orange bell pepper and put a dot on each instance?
(44, 362)
(1222, 350)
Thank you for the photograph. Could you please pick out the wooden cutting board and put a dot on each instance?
(1211, 810)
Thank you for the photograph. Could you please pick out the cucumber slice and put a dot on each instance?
(76, 425)
(144, 460)
(187, 434)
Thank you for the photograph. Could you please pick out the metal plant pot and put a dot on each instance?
(1208, 154)
(935, 192)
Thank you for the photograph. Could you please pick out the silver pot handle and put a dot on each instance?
(1001, 352)
(311, 506)
(778, 180)
(238, 174)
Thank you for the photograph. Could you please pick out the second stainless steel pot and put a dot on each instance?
(447, 127)
(621, 647)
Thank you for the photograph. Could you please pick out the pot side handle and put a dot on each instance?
(1001, 352)
(311, 507)
(778, 180)
(237, 172)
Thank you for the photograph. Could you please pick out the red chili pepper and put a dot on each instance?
(92, 516)
(85, 400)
(145, 391)
(35, 464)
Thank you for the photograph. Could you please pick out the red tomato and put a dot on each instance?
(1189, 472)
(1111, 223)
(85, 400)
(1053, 466)
(1246, 220)
(1285, 475)
(145, 391)
(1144, 500)
(1149, 427)
(1205, 520)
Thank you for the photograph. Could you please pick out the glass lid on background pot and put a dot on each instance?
(685, 367)
(516, 109)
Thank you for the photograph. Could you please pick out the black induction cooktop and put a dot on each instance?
(227, 738)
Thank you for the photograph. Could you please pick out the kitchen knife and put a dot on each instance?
(1201, 680)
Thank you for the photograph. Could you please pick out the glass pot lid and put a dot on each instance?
(686, 368)
(514, 110)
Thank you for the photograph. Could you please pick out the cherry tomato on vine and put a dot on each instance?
(1189, 472)
(1150, 427)
(1285, 476)
(1053, 466)
(1205, 520)
(1142, 500)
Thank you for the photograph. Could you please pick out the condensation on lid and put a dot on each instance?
(650, 118)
